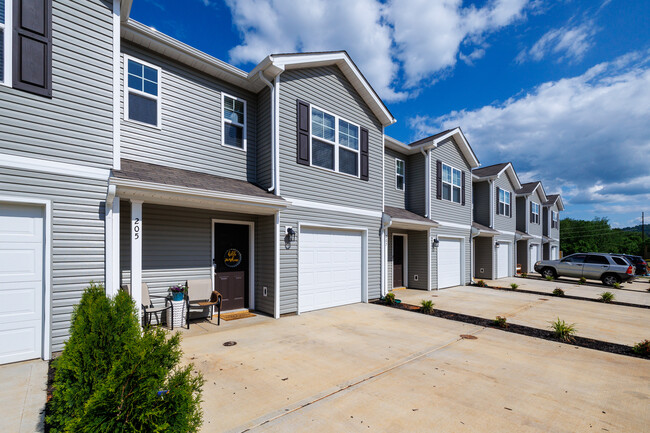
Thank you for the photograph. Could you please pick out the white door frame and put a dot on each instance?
(46, 326)
(405, 251)
(251, 260)
(462, 262)
(364, 255)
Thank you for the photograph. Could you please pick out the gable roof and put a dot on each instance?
(432, 142)
(530, 187)
(496, 170)
(552, 199)
(270, 67)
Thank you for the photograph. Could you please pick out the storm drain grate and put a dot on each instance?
(229, 343)
(468, 337)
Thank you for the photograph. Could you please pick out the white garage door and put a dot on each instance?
(554, 255)
(330, 268)
(449, 263)
(21, 282)
(534, 254)
(503, 260)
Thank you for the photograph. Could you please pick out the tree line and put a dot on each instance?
(580, 236)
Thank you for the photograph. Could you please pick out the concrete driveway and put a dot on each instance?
(607, 322)
(371, 368)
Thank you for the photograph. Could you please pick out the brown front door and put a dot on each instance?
(231, 264)
(398, 261)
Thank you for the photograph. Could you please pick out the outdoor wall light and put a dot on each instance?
(290, 234)
(497, 245)
(436, 242)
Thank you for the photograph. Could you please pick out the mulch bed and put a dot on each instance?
(589, 343)
(579, 298)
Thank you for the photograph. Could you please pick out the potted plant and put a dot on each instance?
(177, 291)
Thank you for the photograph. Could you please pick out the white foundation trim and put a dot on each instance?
(454, 225)
(62, 168)
(332, 207)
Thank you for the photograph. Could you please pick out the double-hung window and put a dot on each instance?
(504, 202)
(554, 220)
(334, 143)
(142, 97)
(234, 122)
(399, 174)
(451, 183)
(534, 210)
(5, 42)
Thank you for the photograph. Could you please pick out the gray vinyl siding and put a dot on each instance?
(443, 231)
(76, 124)
(416, 184)
(328, 89)
(504, 222)
(555, 232)
(177, 246)
(445, 210)
(533, 228)
(77, 236)
(264, 138)
(417, 245)
(190, 133)
(294, 216)
(483, 258)
(522, 213)
(393, 196)
(482, 197)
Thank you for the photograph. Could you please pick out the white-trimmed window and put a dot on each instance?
(334, 143)
(5, 41)
(555, 220)
(534, 211)
(233, 115)
(142, 92)
(399, 174)
(504, 202)
(451, 183)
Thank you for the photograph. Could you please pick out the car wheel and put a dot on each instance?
(549, 272)
(610, 279)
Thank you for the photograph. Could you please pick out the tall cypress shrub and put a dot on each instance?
(111, 377)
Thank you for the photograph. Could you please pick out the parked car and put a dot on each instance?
(607, 268)
(640, 265)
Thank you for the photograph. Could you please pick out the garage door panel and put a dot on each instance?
(20, 341)
(449, 262)
(330, 268)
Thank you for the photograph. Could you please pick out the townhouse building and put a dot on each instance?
(530, 198)
(551, 227)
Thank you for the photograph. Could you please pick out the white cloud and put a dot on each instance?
(587, 137)
(409, 39)
(569, 43)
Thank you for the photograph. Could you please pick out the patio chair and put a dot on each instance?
(147, 305)
(200, 295)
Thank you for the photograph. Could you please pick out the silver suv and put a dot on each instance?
(607, 268)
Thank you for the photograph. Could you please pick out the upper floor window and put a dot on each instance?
(142, 101)
(234, 122)
(534, 212)
(504, 202)
(334, 143)
(555, 220)
(451, 183)
(5, 41)
(399, 174)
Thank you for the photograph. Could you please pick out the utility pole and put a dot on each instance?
(643, 248)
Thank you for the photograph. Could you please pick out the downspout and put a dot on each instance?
(276, 99)
(427, 180)
(386, 222)
(273, 156)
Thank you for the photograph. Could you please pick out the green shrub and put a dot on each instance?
(582, 280)
(524, 275)
(426, 306)
(549, 278)
(514, 286)
(389, 299)
(481, 283)
(111, 377)
(501, 322)
(558, 292)
(563, 330)
(617, 285)
(642, 348)
(607, 296)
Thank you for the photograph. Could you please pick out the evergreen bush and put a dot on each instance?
(113, 377)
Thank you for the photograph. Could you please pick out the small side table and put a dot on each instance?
(180, 311)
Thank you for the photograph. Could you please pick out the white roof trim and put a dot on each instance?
(462, 143)
(125, 10)
(543, 193)
(560, 205)
(508, 167)
(400, 147)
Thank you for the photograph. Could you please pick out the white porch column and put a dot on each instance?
(136, 255)
(112, 256)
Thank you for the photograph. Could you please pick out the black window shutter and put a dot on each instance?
(510, 203)
(365, 170)
(32, 46)
(497, 200)
(462, 190)
(302, 126)
(439, 179)
(532, 217)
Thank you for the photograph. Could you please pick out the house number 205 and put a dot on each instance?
(136, 228)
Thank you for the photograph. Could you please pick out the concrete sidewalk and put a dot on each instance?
(22, 396)
(613, 323)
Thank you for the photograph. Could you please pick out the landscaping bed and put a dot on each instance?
(589, 343)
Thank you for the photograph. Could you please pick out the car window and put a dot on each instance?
(620, 261)
(596, 259)
(576, 258)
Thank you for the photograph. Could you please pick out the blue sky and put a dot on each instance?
(561, 88)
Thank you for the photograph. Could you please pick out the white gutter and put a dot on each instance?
(386, 222)
(427, 180)
(273, 156)
(277, 133)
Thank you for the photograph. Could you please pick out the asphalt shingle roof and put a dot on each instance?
(490, 170)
